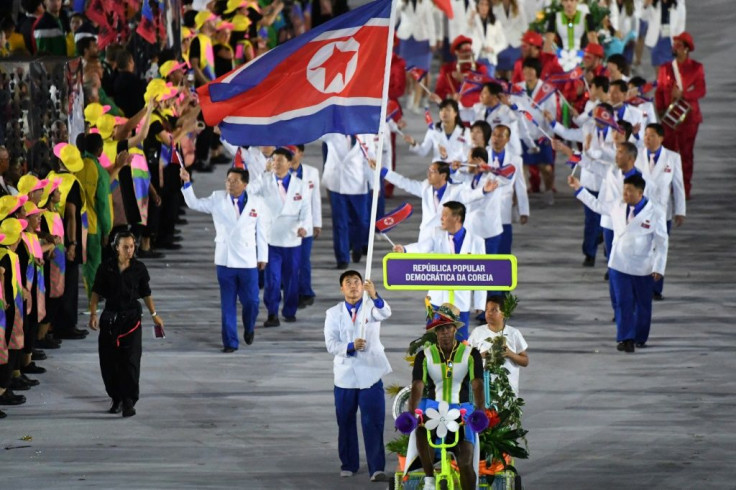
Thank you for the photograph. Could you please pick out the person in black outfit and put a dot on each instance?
(122, 281)
(128, 87)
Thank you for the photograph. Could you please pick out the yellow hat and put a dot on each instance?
(240, 22)
(48, 190)
(70, 156)
(12, 228)
(235, 5)
(31, 209)
(187, 33)
(29, 183)
(106, 125)
(93, 111)
(170, 66)
(154, 88)
(10, 204)
(202, 17)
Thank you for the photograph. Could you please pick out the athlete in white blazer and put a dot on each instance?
(491, 109)
(652, 14)
(448, 140)
(446, 241)
(310, 178)
(285, 195)
(638, 257)
(359, 364)
(417, 21)
(241, 248)
(488, 37)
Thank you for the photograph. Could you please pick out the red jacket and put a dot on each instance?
(397, 81)
(447, 85)
(693, 82)
(550, 66)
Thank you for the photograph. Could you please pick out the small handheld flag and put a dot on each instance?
(505, 171)
(603, 116)
(544, 93)
(569, 76)
(428, 118)
(416, 73)
(394, 218)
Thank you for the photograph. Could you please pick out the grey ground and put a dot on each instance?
(263, 417)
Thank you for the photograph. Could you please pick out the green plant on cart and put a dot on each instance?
(399, 445)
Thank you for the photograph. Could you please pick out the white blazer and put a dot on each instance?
(439, 243)
(457, 145)
(493, 38)
(612, 190)
(516, 185)
(287, 216)
(365, 368)
(459, 23)
(514, 27)
(501, 114)
(417, 22)
(621, 21)
(653, 15)
(240, 243)
(344, 170)
(431, 213)
(668, 180)
(634, 116)
(310, 179)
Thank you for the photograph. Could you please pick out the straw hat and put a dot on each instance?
(446, 314)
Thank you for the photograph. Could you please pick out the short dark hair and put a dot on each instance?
(602, 83)
(620, 61)
(622, 86)
(30, 6)
(606, 106)
(350, 273)
(637, 181)
(443, 168)
(637, 81)
(656, 127)
(457, 208)
(494, 88)
(627, 127)
(300, 148)
(503, 126)
(84, 43)
(479, 152)
(244, 175)
(123, 58)
(494, 297)
(533, 63)
(283, 152)
(631, 149)
(93, 143)
(485, 128)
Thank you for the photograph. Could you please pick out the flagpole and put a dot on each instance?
(379, 155)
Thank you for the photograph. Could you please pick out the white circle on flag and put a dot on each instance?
(330, 60)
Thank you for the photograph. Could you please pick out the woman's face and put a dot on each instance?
(484, 7)
(448, 114)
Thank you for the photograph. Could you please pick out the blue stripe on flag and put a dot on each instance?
(305, 129)
(254, 72)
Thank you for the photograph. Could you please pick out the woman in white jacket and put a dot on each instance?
(487, 34)
(417, 39)
(665, 19)
(514, 23)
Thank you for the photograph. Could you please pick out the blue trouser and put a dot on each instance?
(237, 284)
(281, 271)
(462, 333)
(608, 242)
(506, 238)
(591, 230)
(493, 244)
(659, 285)
(372, 412)
(634, 305)
(305, 267)
(350, 217)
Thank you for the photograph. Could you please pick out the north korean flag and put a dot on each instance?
(328, 80)
(544, 92)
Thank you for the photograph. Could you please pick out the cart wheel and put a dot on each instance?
(401, 402)
(392, 483)
(443, 485)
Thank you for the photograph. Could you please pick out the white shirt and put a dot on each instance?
(493, 38)
(513, 26)
(481, 338)
(367, 367)
(457, 145)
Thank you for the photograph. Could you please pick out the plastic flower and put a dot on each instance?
(405, 423)
(443, 419)
(569, 59)
(477, 421)
(493, 418)
(540, 15)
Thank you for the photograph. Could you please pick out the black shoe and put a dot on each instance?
(128, 409)
(605, 276)
(81, 331)
(357, 254)
(589, 261)
(613, 320)
(629, 346)
(181, 221)
(248, 337)
(305, 301)
(48, 342)
(18, 384)
(3, 414)
(29, 381)
(10, 398)
(289, 319)
(641, 345)
(657, 297)
(221, 158)
(168, 245)
(272, 321)
(149, 254)
(32, 368)
(70, 335)
(116, 407)
(621, 346)
(342, 265)
(228, 350)
(38, 355)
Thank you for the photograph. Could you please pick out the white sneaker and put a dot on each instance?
(429, 483)
(346, 474)
(379, 476)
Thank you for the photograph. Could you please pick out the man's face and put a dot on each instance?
(234, 185)
(494, 316)
(632, 195)
(569, 6)
(530, 75)
(617, 96)
(434, 177)
(590, 61)
(281, 165)
(445, 334)
(613, 69)
(499, 139)
(352, 288)
(652, 140)
(297, 159)
(53, 7)
(525, 50)
(678, 47)
(449, 221)
(622, 157)
(486, 98)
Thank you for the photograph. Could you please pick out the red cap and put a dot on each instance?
(595, 50)
(686, 39)
(459, 41)
(533, 38)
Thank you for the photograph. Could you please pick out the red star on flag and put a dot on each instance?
(336, 64)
